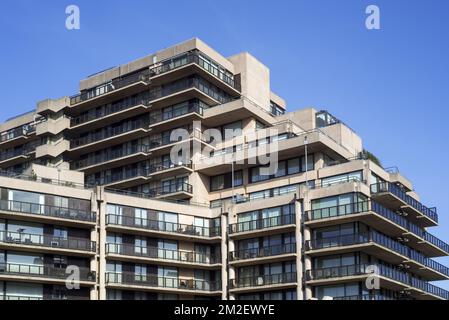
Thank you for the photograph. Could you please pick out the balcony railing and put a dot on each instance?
(17, 132)
(16, 297)
(9, 154)
(269, 251)
(70, 243)
(149, 280)
(156, 117)
(358, 270)
(165, 254)
(380, 239)
(382, 270)
(262, 223)
(109, 156)
(20, 176)
(108, 110)
(145, 75)
(109, 132)
(364, 297)
(392, 188)
(263, 280)
(47, 210)
(163, 226)
(364, 206)
(28, 270)
(171, 188)
(111, 86)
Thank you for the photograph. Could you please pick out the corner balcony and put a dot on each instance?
(263, 282)
(45, 274)
(166, 169)
(119, 88)
(173, 191)
(164, 229)
(46, 243)
(268, 254)
(17, 136)
(382, 247)
(149, 282)
(392, 196)
(264, 226)
(380, 218)
(114, 113)
(12, 157)
(40, 212)
(390, 278)
(109, 137)
(112, 158)
(177, 258)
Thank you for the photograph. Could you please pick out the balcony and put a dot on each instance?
(21, 239)
(142, 79)
(381, 246)
(271, 253)
(41, 210)
(272, 281)
(364, 297)
(111, 158)
(109, 136)
(164, 256)
(155, 282)
(108, 114)
(390, 278)
(16, 136)
(392, 195)
(278, 223)
(156, 227)
(185, 112)
(172, 190)
(6, 297)
(13, 157)
(40, 271)
(381, 218)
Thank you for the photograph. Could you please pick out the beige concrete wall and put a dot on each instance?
(255, 79)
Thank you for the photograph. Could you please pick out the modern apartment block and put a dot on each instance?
(88, 185)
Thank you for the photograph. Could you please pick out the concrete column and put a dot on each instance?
(224, 256)
(102, 201)
(298, 236)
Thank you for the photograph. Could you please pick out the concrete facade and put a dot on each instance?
(88, 183)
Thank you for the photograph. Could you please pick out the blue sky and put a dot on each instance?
(390, 85)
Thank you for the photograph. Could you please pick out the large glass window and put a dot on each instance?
(20, 290)
(167, 277)
(347, 177)
(224, 181)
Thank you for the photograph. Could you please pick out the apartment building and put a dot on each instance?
(90, 189)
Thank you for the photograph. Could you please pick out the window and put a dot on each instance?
(140, 273)
(285, 167)
(168, 221)
(167, 249)
(141, 217)
(114, 243)
(224, 181)
(60, 232)
(140, 245)
(167, 277)
(342, 178)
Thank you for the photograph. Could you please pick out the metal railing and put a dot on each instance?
(43, 271)
(111, 86)
(263, 280)
(171, 188)
(150, 280)
(17, 297)
(364, 297)
(163, 226)
(21, 176)
(370, 205)
(109, 109)
(109, 132)
(159, 116)
(262, 223)
(17, 132)
(164, 254)
(268, 251)
(109, 155)
(146, 74)
(49, 241)
(392, 188)
(47, 210)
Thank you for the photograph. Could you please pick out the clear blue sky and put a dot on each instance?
(391, 86)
